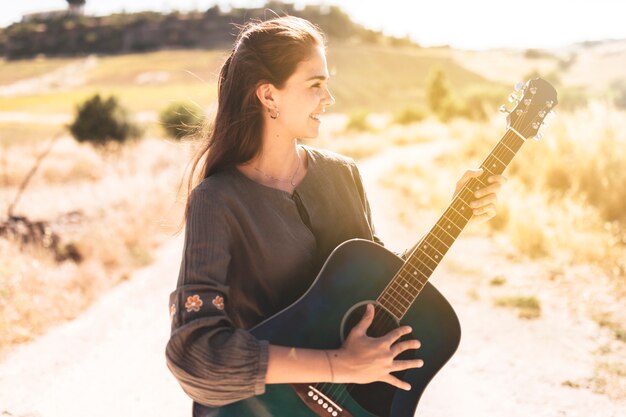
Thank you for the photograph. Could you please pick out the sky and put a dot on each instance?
(467, 24)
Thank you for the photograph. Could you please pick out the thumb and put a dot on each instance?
(366, 321)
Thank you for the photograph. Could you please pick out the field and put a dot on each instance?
(565, 200)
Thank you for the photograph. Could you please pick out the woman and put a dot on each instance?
(261, 222)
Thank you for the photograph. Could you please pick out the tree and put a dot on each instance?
(102, 121)
(438, 90)
(76, 6)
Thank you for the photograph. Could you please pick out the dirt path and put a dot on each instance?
(107, 362)
(110, 361)
(67, 77)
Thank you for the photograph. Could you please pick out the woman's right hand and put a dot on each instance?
(363, 359)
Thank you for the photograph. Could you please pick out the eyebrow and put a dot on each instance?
(319, 77)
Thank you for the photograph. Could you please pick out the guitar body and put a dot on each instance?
(356, 272)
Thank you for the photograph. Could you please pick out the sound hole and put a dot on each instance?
(376, 397)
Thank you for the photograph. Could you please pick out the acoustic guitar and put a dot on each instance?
(359, 272)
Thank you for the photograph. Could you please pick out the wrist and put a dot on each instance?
(336, 360)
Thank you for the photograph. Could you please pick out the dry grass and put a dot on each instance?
(567, 193)
(126, 205)
(528, 307)
(13, 71)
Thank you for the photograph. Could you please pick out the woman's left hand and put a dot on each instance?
(484, 207)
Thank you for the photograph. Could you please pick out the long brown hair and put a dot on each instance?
(265, 51)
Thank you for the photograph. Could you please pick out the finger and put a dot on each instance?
(407, 364)
(489, 209)
(395, 334)
(500, 179)
(490, 189)
(490, 199)
(400, 347)
(398, 383)
(469, 174)
(366, 321)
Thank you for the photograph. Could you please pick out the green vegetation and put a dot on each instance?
(126, 32)
(438, 91)
(497, 281)
(357, 122)
(181, 118)
(101, 121)
(409, 114)
(528, 307)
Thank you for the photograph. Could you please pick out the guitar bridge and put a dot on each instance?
(318, 402)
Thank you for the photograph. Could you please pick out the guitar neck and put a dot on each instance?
(404, 288)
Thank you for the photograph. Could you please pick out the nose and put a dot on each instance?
(328, 99)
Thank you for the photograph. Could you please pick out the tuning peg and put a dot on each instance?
(549, 117)
(503, 109)
(533, 90)
(519, 85)
(538, 136)
(512, 97)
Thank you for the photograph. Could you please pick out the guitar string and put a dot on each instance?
(341, 390)
(420, 256)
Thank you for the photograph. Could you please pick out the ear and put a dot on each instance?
(266, 93)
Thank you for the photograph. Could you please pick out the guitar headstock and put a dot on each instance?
(533, 103)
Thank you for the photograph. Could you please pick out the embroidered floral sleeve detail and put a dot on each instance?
(218, 302)
(193, 303)
(172, 311)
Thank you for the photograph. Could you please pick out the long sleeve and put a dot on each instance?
(214, 360)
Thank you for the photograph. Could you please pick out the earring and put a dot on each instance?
(273, 116)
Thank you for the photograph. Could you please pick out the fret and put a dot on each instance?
(433, 239)
(397, 290)
(443, 235)
(515, 141)
(503, 143)
(430, 266)
(494, 156)
(461, 209)
(406, 279)
(449, 225)
(416, 272)
(390, 307)
(407, 286)
(399, 296)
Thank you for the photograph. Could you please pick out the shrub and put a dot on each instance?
(101, 121)
(619, 94)
(438, 90)
(358, 122)
(572, 98)
(409, 115)
(181, 119)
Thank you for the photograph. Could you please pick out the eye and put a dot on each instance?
(316, 85)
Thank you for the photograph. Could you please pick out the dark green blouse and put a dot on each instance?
(250, 251)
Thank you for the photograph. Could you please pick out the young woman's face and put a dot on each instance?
(305, 96)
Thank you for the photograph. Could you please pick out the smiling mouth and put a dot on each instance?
(315, 116)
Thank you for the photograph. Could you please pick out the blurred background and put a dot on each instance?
(101, 108)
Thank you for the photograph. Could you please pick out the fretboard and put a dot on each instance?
(406, 285)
